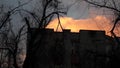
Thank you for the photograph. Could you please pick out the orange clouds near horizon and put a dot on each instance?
(96, 23)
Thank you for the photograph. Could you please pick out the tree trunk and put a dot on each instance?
(15, 62)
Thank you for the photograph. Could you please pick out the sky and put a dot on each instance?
(81, 16)
(78, 11)
(75, 25)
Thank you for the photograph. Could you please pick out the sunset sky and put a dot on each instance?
(79, 16)
(96, 23)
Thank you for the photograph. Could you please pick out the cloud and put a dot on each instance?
(96, 23)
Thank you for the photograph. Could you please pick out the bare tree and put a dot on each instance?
(10, 40)
(5, 52)
(47, 10)
(15, 39)
(6, 15)
(111, 5)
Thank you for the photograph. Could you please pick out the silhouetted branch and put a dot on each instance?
(6, 18)
(59, 23)
(102, 6)
(27, 23)
(53, 13)
(114, 8)
(44, 13)
(114, 4)
(11, 12)
(116, 21)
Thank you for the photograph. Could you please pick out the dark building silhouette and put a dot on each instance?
(84, 49)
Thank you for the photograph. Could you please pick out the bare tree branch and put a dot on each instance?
(102, 6)
(113, 7)
(59, 23)
(44, 13)
(9, 13)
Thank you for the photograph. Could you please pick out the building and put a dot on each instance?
(85, 49)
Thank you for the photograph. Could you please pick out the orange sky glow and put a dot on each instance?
(95, 23)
